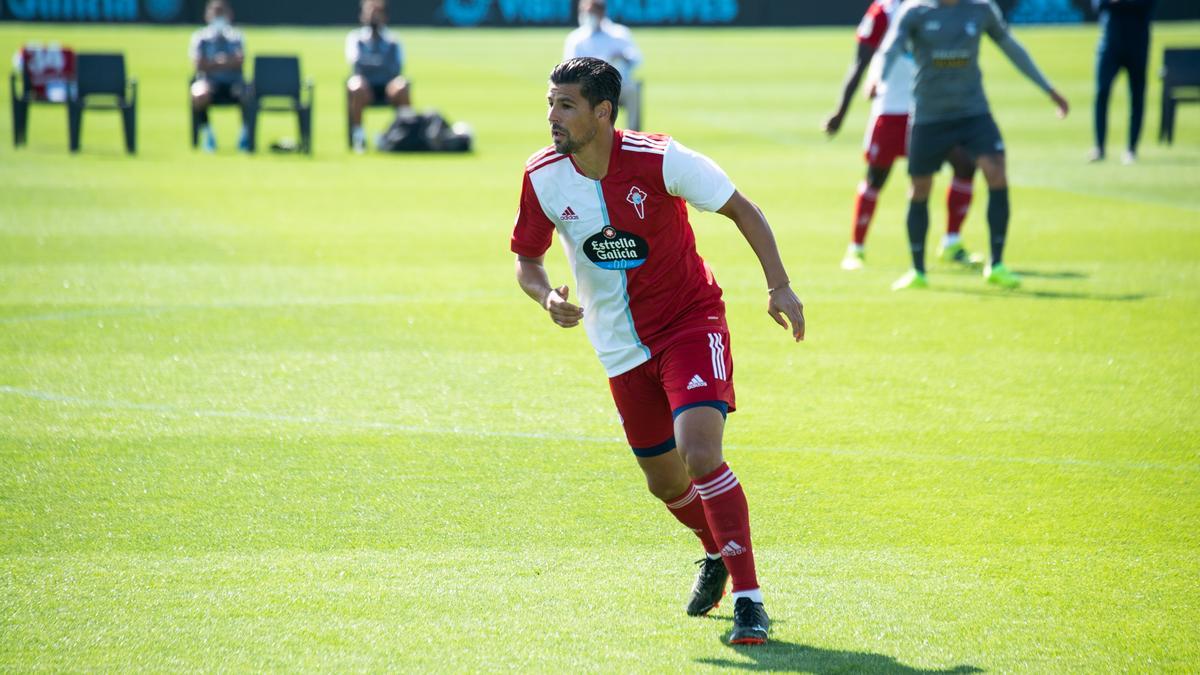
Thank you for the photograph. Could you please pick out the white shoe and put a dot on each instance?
(854, 258)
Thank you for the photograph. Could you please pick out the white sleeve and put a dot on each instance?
(352, 47)
(632, 54)
(571, 46)
(696, 178)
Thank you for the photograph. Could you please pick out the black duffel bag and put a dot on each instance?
(413, 131)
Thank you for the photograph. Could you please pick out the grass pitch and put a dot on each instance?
(280, 413)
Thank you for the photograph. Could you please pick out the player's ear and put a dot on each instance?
(604, 111)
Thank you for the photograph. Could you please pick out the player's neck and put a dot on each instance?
(592, 159)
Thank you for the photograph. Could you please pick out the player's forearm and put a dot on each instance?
(850, 84)
(754, 227)
(533, 279)
(1024, 63)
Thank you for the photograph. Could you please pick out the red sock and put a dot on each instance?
(689, 510)
(958, 202)
(864, 211)
(729, 518)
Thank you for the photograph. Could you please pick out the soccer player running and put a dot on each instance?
(950, 108)
(887, 140)
(652, 309)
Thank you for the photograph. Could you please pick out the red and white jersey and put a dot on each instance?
(895, 94)
(628, 240)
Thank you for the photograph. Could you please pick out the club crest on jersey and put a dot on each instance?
(933, 25)
(612, 249)
(972, 29)
(637, 197)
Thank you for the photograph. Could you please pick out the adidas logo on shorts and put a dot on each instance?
(696, 383)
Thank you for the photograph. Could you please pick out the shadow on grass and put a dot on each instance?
(787, 657)
(1044, 295)
(1068, 275)
(1046, 274)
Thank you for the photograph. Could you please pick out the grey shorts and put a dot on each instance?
(930, 143)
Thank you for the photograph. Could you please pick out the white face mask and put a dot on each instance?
(589, 20)
(219, 22)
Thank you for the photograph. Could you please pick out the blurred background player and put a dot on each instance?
(887, 139)
(600, 38)
(377, 60)
(651, 308)
(1124, 43)
(951, 109)
(217, 52)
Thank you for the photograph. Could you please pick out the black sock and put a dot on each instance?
(918, 228)
(997, 216)
(202, 116)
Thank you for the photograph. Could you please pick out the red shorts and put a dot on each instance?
(693, 370)
(887, 140)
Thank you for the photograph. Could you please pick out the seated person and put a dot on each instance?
(600, 38)
(217, 51)
(377, 59)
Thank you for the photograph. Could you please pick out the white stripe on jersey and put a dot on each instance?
(633, 140)
(652, 151)
(540, 155)
(546, 162)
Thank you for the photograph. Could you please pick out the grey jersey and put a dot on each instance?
(209, 42)
(944, 42)
(378, 58)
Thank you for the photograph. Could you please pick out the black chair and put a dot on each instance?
(1181, 84)
(196, 115)
(24, 96)
(103, 76)
(277, 79)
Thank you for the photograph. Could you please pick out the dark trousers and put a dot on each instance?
(1130, 54)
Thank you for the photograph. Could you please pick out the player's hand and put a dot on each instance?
(1063, 106)
(785, 303)
(562, 312)
(834, 123)
(872, 89)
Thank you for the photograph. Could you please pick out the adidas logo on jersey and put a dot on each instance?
(569, 214)
(732, 548)
(696, 383)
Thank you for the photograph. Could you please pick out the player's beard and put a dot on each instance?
(570, 145)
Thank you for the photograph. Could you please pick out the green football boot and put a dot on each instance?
(999, 275)
(911, 280)
(957, 254)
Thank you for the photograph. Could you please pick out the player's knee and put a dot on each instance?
(877, 176)
(701, 458)
(994, 171)
(666, 488)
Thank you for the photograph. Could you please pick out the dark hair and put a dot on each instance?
(598, 80)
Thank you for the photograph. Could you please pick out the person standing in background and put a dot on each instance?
(599, 37)
(1124, 43)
